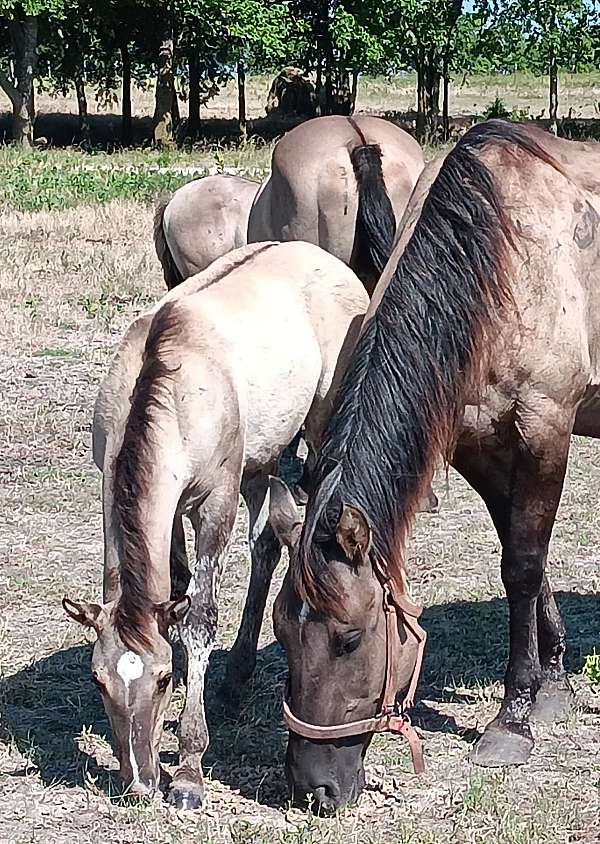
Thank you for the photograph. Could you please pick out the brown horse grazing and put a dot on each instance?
(202, 221)
(342, 183)
(205, 392)
(482, 343)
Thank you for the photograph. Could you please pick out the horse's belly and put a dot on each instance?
(280, 391)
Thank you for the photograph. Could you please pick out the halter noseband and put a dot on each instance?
(392, 716)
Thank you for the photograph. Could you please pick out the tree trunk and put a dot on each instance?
(193, 126)
(553, 72)
(126, 121)
(445, 97)
(328, 75)
(319, 85)
(175, 115)
(353, 91)
(23, 34)
(241, 80)
(163, 122)
(82, 108)
(432, 87)
(420, 125)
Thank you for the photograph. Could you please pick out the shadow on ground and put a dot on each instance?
(45, 707)
(62, 129)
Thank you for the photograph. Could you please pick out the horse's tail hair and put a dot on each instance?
(375, 220)
(171, 272)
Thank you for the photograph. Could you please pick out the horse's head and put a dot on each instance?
(336, 656)
(135, 685)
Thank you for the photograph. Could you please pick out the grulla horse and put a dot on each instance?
(342, 183)
(481, 344)
(200, 222)
(203, 395)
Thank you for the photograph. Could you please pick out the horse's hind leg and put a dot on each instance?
(213, 525)
(265, 551)
(554, 699)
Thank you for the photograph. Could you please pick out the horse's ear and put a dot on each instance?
(90, 615)
(172, 612)
(353, 533)
(284, 514)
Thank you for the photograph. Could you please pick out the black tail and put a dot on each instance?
(375, 221)
(170, 269)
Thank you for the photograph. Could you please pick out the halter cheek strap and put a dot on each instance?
(392, 716)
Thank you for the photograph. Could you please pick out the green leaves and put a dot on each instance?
(529, 34)
(32, 7)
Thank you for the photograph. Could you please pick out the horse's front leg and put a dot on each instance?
(213, 526)
(536, 481)
(180, 572)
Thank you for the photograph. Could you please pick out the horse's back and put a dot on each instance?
(272, 324)
(256, 349)
(207, 218)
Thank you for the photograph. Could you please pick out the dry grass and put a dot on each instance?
(580, 92)
(69, 283)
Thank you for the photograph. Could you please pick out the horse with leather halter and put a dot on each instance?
(481, 344)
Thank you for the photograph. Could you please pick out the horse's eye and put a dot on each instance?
(347, 642)
(163, 682)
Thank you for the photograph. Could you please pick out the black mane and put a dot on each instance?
(402, 395)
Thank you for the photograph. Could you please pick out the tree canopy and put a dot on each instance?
(192, 46)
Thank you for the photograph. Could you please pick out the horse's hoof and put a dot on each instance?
(554, 702)
(186, 795)
(499, 746)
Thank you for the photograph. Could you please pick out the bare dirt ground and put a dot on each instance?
(69, 284)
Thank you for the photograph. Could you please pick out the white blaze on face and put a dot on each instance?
(129, 668)
(135, 771)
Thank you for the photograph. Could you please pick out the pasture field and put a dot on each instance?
(521, 94)
(74, 270)
(579, 92)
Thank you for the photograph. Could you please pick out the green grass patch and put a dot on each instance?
(53, 352)
(45, 180)
(38, 180)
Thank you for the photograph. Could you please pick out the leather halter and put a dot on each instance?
(392, 716)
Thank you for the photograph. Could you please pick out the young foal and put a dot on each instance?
(481, 341)
(202, 221)
(203, 395)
